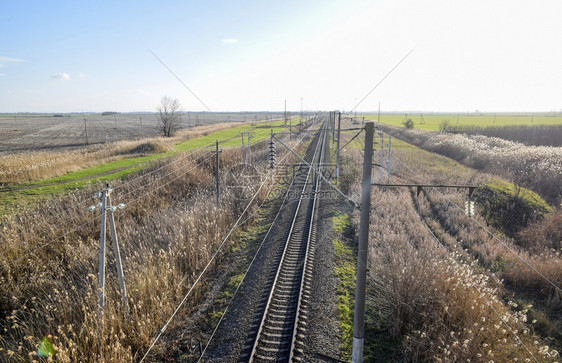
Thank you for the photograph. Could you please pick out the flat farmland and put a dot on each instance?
(431, 122)
(22, 133)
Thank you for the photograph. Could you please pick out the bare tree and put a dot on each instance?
(168, 115)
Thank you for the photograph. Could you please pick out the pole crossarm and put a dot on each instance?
(319, 173)
(425, 185)
(421, 186)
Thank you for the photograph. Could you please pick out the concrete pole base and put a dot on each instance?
(357, 355)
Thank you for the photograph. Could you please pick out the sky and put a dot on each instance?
(253, 55)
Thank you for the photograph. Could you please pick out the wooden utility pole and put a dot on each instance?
(360, 288)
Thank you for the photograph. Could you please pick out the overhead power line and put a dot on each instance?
(383, 78)
(179, 79)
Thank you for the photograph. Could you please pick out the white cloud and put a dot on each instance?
(229, 41)
(5, 59)
(142, 92)
(63, 76)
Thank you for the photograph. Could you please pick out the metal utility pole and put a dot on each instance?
(217, 171)
(359, 318)
(302, 115)
(249, 149)
(105, 206)
(271, 151)
(338, 148)
(290, 132)
(101, 278)
(333, 125)
(389, 150)
(285, 114)
(382, 157)
(243, 151)
(116, 251)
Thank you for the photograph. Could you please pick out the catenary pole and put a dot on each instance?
(217, 171)
(382, 158)
(249, 149)
(338, 148)
(243, 151)
(389, 150)
(359, 318)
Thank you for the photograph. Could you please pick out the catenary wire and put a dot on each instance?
(163, 329)
(247, 269)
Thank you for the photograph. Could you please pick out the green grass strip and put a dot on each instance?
(345, 271)
(431, 122)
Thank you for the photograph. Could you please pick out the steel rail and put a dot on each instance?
(284, 257)
(298, 317)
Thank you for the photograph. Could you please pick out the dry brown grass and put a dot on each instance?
(39, 165)
(441, 308)
(168, 232)
(437, 298)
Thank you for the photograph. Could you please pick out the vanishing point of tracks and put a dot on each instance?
(278, 330)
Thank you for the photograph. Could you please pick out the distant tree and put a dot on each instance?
(409, 124)
(168, 115)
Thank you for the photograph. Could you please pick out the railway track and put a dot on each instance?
(279, 326)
